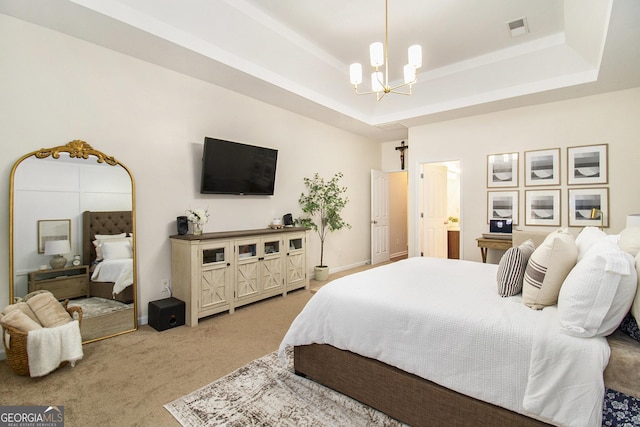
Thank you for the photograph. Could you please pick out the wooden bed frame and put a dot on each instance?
(417, 402)
(403, 396)
(107, 222)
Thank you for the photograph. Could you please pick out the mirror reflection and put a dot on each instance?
(72, 223)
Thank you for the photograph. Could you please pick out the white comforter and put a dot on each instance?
(118, 271)
(443, 320)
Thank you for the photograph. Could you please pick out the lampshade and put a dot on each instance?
(355, 73)
(376, 52)
(633, 220)
(409, 73)
(415, 55)
(57, 247)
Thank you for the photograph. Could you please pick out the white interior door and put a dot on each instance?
(434, 210)
(379, 217)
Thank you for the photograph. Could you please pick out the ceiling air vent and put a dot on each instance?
(518, 27)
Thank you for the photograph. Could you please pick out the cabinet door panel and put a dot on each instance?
(247, 279)
(272, 274)
(213, 287)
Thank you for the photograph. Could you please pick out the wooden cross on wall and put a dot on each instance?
(401, 149)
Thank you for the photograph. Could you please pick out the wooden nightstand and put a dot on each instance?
(63, 283)
(485, 244)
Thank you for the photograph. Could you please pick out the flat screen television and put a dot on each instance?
(233, 168)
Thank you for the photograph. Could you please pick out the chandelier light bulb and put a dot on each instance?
(376, 81)
(376, 52)
(355, 73)
(409, 74)
(415, 55)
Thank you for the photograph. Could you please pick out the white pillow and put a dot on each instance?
(547, 268)
(598, 292)
(116, 250)
(630, 240)
(99, 243)
(587, 238)
(110, 236)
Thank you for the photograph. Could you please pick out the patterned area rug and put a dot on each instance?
(94, 306)
(263, 393)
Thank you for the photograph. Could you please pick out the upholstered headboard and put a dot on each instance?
(520, 236)
(108, 222)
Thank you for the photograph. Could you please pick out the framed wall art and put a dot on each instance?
(53, 229)
(587, 164)
(583, 201)
(502, 170)
(542, 207)
(502, 205)
(542, 167)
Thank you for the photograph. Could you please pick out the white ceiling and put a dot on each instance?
(295, 54)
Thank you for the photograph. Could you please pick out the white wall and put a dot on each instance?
(610, 118)
(56, 89)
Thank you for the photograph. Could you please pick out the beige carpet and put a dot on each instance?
(126, 380)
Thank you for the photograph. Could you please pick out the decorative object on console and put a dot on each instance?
(76, 261)
(276, 224)
(287, 220)
(182, 224)
(322, 205)
(57, 248)
(198, 217)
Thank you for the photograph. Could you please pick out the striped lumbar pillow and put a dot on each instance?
(511, 269)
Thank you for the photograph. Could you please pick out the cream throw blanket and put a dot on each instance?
(48, 347)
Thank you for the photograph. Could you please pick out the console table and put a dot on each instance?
(485, 244)
(216, 272)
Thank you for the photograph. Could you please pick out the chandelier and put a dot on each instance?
(379, 55)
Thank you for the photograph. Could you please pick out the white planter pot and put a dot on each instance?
(321, 274)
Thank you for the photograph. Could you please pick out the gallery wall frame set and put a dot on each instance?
(586, 165)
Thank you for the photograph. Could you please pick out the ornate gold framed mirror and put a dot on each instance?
(72, 232)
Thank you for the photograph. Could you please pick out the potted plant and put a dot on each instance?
(322, 206)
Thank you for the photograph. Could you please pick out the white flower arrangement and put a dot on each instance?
(198, 216)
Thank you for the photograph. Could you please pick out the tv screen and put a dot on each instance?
(233, 168)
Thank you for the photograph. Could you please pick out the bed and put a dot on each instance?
(356, 336)
(111, 278)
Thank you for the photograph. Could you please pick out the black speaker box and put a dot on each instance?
(287, 219)
(183, 225)
(166, 313)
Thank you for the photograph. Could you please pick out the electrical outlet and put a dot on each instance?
(164, 285)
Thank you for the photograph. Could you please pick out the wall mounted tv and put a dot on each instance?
(233, 168)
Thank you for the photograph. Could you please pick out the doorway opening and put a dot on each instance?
(440, 209)
(389, 216)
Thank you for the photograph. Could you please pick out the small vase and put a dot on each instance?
(197, 229)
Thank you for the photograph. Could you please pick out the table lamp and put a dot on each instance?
(57, 248)
(633, 220)
(595, 213)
